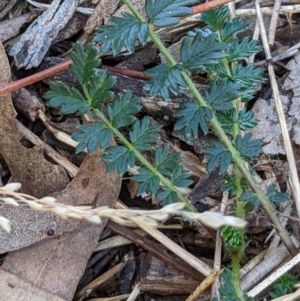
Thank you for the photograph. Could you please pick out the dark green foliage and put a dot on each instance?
(123, 32)
(227, 119)
(84, 62)
(122, 110)
(250, 197)
(231, 185)
(142, 134)
(191, 118)
(119, 157)
(239, 50)
(216, 18)
(233, 239)
(248, 75)
(98, 89)
(246, 120)
(149, 181)
(164, 161)
(165, 13)
(180, 178)
(227, 289)
(69, 100)
(283, 286)
(167, 195)
(221, 94)
(202, 51)
(166, 80)
(232, 28)
(249, 149)
(92, 136)
(275, 196)
(219, 156)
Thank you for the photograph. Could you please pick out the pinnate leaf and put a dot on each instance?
(164, 161)
(149, 181)
(180, 178)
(123, 32)
(69, 100)
(246, 120)
(191, 117)
(90, 136)
(201, 52)
(247, 75)
(221, 94)
(84, 62)
(167, 195)
(165, 13)
(232, 28)
(250, 197)
(248, 148)
(99, 89)
(238, 51)
(216, 18)
(219, 156)
(275, 196)
(227, 119)
(121, 112)
(166, 80)
(142, 134)
(119, 157)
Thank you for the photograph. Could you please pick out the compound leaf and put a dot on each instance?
(99, 89)
(233, 239)
(84, 62)
(167, 195)
(218, 156)
(166, 80)
(231, 185)
(250, 197)
(69, 100)
(119, 157)
(165, 13)
(149, 181)
(238, 51)
(90, 136)
(123, 32)
(227, 119)
(142, 134)
(121, 112)
(248, 148)
(164, 161)
(221, 93)
(191, 117)
(275, 196)
(201, 52)
(180, 178)
(216, 18)
(246, 120)
(232, 28)
(247, 75)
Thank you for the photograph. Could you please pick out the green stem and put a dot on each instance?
(235, 274)
(237, 159)
(142, 159)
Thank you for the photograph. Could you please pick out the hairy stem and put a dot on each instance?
(142, 160)
(235, 274)
(237, 159)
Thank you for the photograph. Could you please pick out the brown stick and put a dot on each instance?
(208, 5)
(13, 86)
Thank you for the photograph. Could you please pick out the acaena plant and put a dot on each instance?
(214, 49)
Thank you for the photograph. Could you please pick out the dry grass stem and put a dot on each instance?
(274, 276)
(134, 294)
(9, 196)
(87, 290)
(205, 284)
(280, 112)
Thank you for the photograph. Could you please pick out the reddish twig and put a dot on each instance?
(208, 5)
(13, 86)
